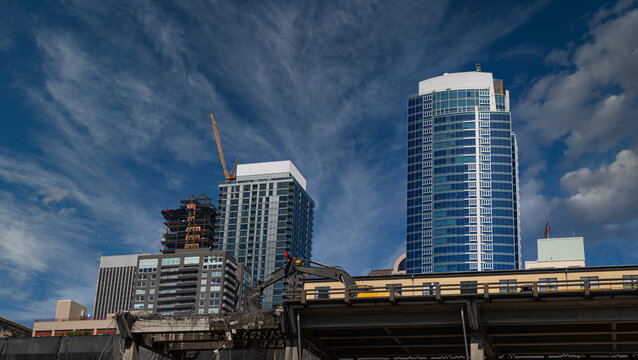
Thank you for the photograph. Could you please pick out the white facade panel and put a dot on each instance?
(458, 81)
(272, 167)
(118, 261)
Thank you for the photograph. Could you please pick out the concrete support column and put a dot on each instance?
(131, 351)
(292, 353)
(476, 346)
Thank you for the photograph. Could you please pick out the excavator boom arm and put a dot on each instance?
(289, 269)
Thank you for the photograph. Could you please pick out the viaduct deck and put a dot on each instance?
(585, 321)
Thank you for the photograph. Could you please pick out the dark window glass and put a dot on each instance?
(507, 286)
(468, 287)
(547, 284)
(322, 292)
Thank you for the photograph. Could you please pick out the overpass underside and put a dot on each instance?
(582, 323)
(518, 326)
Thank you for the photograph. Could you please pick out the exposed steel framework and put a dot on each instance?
(190, 226)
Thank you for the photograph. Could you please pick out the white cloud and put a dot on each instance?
(592, 107)
(608, 193)
(53, 195)
(535, 208)
(67, 211)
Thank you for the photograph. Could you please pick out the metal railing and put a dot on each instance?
(392, 292)
(71, 319)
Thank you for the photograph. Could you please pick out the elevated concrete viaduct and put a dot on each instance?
(570, 321)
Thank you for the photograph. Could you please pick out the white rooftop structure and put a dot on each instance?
(118, 261)
(559, 253)
(270, 168)
(457, 81)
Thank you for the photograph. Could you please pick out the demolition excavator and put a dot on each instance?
(290, 270)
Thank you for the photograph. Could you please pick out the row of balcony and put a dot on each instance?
(172, 299)
(182, 305)
(186, 269)
(191, 290)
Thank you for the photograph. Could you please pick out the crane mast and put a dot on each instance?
(228, 175)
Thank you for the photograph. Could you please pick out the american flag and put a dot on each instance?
(547, 229)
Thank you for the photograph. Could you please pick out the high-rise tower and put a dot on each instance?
(265, 212)
(115, 280)
(462, 193)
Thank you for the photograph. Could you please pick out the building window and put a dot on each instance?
(397, 288)
(138, 306)
(468, 287)
(145, 263)
(171, 261)
(630, 281)
(151, 291)
(593, 281)
(191, 260)
(429, 288)
(547, 284)
(507, 285)
(322, 292)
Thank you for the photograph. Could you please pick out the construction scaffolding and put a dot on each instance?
(190, 226)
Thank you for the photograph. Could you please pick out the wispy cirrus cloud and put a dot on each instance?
(121, 104)
(53, 195)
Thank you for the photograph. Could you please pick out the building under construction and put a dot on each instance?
(190, 226)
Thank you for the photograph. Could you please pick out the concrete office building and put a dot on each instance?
(265, 212)
(199, 281)
(462, 178)
(71, 316)
(114, 288)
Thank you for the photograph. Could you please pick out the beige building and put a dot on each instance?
(595, 278)
(71, 316)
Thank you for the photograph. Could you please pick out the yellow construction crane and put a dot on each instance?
(229, 175)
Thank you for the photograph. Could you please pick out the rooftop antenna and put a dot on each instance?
(478, 67)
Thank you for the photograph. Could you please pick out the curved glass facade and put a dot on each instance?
(462, 198)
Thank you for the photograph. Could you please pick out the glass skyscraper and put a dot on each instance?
(265, 212)
(462, 193)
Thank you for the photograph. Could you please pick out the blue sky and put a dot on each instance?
(104, 121)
